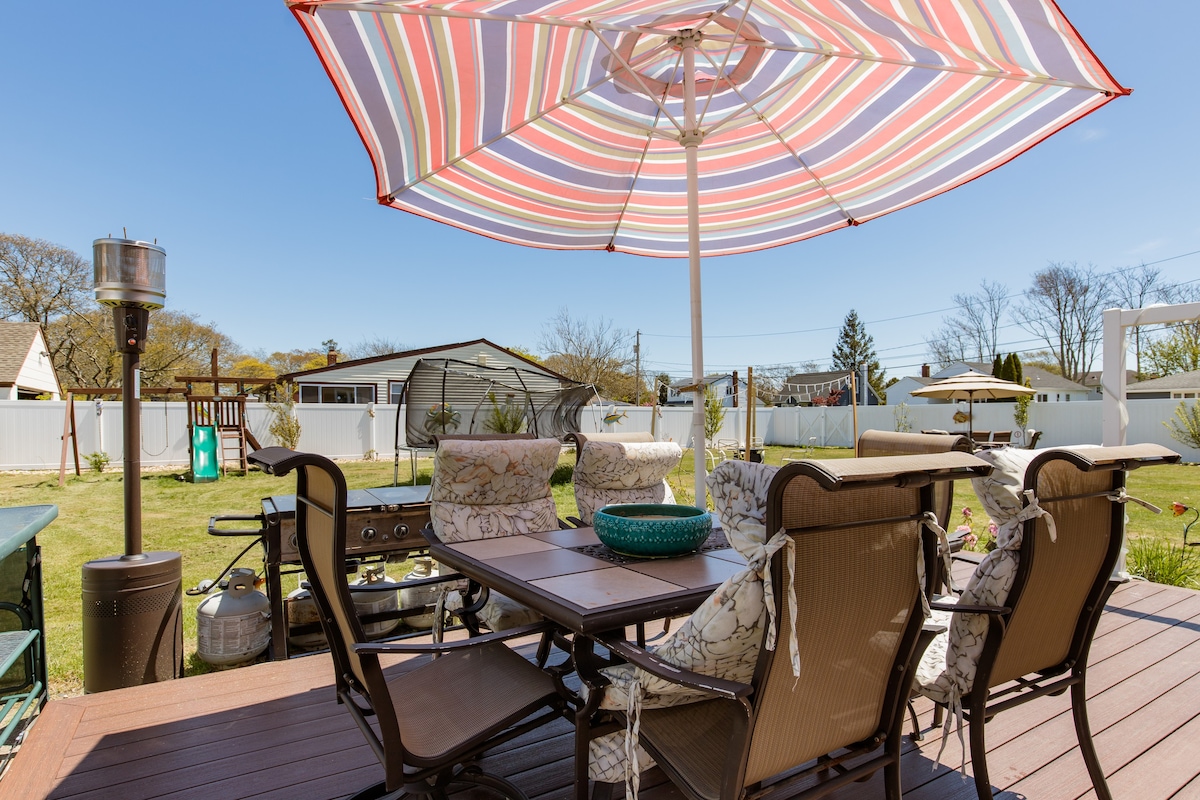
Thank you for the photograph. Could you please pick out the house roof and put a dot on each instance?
(1038, 378)
(292, 376)
(16, 339)
(707, 380)
(1180, 380)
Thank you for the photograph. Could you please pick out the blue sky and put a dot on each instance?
(213, 129)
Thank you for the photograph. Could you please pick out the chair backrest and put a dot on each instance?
(872, 444)
(483, 488)
(608, 472)
(321, 540)
(580, 439)
(858, 543)
(1001, 437)
(1060, 587)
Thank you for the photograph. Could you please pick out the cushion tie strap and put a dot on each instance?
(759, 559)
(1119, 496)
(929, 520)
(1031, 511)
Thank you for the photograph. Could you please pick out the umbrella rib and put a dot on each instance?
(750, 106)
(721, 77)
(637, 76)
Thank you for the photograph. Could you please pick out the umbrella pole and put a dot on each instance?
(690, 139)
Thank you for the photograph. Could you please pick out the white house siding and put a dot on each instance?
(380, 372)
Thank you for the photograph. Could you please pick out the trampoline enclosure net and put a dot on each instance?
(445, 395)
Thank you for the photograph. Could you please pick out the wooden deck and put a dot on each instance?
(273, 731)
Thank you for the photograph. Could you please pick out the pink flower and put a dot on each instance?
(992, 529)
(963, 529)
(969, 540)
(966, 512)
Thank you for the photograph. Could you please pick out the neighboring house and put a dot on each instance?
(1050, 388)
(26, 369)
(803, 389)
(722, 385)
(380, 379)
(1180, 386)
(1092, 380)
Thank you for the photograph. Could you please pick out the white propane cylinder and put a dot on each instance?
(423, 567)
(375, 602)
(234, 626)
(302, 610)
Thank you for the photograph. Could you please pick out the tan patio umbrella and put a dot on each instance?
(970, 385)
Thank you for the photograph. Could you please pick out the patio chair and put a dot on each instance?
(609, 472)
(427, 725)
(1023, 626)
(872, 443)
(830, 665)
(485, 487)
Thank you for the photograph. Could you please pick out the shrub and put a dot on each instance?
(714, 414)
(284, 425)
(1185, 427)
(1164, 562)
(506, 417)
(98, 461)
(903, 423)
(562, 474)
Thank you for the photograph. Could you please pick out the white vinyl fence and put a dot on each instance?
(31, 430)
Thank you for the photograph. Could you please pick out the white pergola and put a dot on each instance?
(1112, 379)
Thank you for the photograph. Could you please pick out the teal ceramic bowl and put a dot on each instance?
(651, 530)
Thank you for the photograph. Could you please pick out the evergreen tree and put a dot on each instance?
(1018, 375)
(855, 349)
(998, 367)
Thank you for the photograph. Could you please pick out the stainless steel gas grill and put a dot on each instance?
(382, 523)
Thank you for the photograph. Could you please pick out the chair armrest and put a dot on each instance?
(966, 609)
(381, 648)
(643, 659)
(576, 521)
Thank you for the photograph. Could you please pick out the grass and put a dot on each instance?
(176, 514)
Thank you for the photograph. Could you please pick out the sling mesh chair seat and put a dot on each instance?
(843, 609)
(431, 722)
(1023, 625)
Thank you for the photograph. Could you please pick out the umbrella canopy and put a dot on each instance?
(970, 385)
(693, 127)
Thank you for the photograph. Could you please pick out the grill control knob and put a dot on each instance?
(368, 534)
(400, 530)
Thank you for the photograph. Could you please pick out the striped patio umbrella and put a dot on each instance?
(689, 128)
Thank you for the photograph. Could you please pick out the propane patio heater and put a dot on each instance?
(132, 604)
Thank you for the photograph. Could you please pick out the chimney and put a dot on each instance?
(330, 357)
(924, 370)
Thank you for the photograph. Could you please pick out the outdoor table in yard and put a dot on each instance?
(574, 580)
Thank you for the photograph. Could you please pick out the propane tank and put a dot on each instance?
(234, 626)
(423, 567)
(375, 602)
(302, 610)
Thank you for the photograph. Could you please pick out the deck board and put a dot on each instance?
(273, 731)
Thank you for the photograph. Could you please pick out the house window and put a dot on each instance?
(728, 390)
(337, 393)
(1068, 398)
(395, 390)
(1042, 398)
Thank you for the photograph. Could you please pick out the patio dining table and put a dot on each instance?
(574, 580)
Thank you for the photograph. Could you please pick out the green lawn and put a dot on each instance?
(176, 514)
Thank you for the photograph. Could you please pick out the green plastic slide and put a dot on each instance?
(204, 454)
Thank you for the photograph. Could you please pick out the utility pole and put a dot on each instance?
(637, 356)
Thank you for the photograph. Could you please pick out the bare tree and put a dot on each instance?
(769, 381)
(593, 353)
(1064, 308)
(177, 344)
(40, 280)
(376, 345)
(974, 334)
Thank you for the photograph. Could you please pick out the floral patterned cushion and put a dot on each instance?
(484, 489)
(947, 669)
(623, 472)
